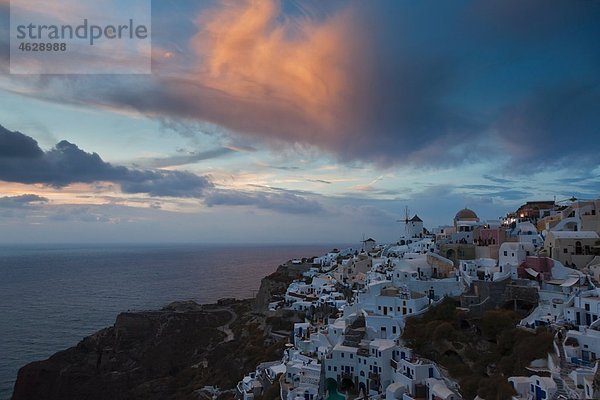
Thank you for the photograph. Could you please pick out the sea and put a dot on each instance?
(52, 296)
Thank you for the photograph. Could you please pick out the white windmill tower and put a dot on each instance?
(406, 220)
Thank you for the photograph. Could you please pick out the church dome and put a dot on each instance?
(465, 214)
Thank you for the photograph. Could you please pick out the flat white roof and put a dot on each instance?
(383, 344)
(575, 234)
(278, 369)
(341, 347)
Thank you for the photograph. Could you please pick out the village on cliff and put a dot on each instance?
(544, 257)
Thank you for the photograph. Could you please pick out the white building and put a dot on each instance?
(513, 254)
(533, 387)
(582, 347)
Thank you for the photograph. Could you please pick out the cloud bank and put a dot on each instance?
(385, 82)
(23, 161)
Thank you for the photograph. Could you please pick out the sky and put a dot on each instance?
(306, 121)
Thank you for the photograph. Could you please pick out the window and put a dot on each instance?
(565, 250)
(351, 356)
(505, 253)
(329, 368)
(394, 329)
(342, 355)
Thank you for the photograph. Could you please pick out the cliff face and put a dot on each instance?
(166, 354)
(128, 360)
(272, 286)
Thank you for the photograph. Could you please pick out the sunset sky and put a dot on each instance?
(307, 121)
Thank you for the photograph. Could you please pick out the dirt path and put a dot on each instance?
(229, 336)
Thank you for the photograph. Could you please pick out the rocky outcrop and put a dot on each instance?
(166, 354)
(273, 286)
(131, 359)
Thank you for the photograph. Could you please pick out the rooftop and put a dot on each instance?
(465, 213)
(575, 234)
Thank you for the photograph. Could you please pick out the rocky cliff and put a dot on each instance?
(273, 286)
(167, 354)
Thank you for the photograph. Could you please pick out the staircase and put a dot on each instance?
(561, 393)
(565, 383)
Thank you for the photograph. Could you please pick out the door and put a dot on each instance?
(539, 393)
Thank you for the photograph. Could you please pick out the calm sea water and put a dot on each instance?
(53, 296)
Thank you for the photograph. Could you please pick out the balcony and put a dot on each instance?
(374, 376)
(582, 362)
(347, 375)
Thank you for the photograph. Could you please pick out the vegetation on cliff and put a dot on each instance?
(480, 352)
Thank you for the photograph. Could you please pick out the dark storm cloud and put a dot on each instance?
(17, 145)
(531, 20)
(560, 126)
(426, 83)
(22, 161)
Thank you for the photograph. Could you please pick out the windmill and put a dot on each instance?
(406, 220)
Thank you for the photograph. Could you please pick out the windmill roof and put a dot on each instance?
(416, 219)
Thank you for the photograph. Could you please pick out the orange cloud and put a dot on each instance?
(292, 76)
